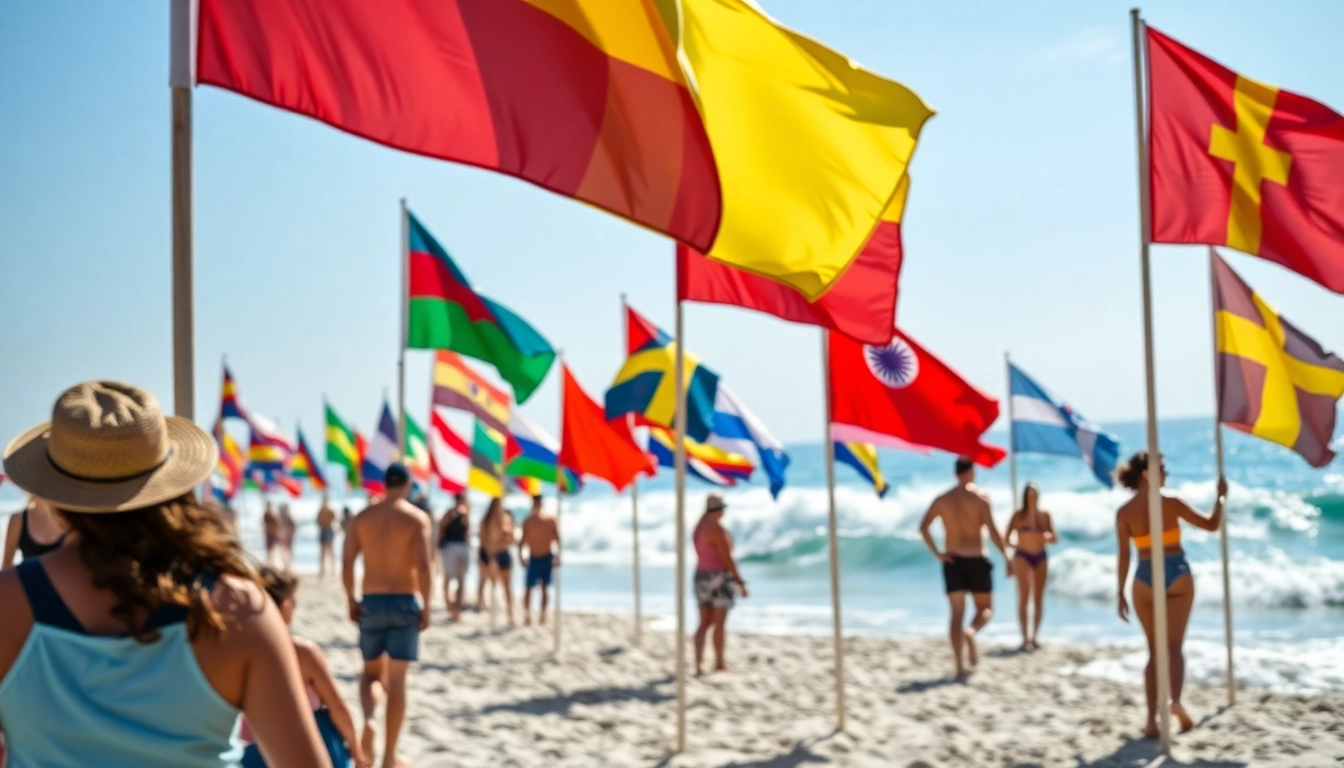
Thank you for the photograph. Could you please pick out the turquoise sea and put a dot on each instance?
(1286, 523)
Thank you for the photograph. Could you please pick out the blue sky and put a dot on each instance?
(1020, 233)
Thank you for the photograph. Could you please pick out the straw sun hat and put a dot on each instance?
(109, 448)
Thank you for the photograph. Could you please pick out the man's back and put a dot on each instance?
(539, 533)
(390, 533)
(965, 512)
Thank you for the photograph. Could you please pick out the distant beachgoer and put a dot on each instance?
(1034, 531)
(455, 553)
(345, 519)
(33, 532)
(1131, 523)
(287, 530)
(334, 722)
(326, 537)
(717, 582)
(965, 513)
(270, 525)
(496, 541)
(538, 552)
(393, 536)
(138, 642)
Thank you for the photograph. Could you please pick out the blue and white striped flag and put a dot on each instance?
(737, 430)
(1042, 423)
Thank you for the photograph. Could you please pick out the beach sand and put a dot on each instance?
(483, 696)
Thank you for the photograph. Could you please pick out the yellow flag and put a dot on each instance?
(809, 146)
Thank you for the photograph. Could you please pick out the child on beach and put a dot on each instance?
(334, 721)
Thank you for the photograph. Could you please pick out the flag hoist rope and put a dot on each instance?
(1158, 551)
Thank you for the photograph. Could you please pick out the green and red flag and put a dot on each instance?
(446, 313)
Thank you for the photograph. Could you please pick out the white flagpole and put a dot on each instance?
(634, 502)
(559, 494)
(1012, 449)
(681, 531)
(1155, 526)
(832, 535)
(405, 326)
(1218, 451)
(181, 78)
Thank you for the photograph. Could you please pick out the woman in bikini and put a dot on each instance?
(1029, 565)
(1131, 523)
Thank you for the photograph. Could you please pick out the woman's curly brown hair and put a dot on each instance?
(1130, 474)
(153, 557)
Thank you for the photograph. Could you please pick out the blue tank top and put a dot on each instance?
(74, 699)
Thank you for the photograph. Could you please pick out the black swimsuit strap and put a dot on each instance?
(46, 603)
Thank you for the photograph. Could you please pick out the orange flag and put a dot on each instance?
(591, 445)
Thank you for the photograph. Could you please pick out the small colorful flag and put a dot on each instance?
(228, 475)
(1239, 163)
(229, 405)
(416, 451)
(538, 453)
(302, 466)
(646, 384)
(706, 462)
(1042, 423)
(1274, 381)
(380, 454)
(591, 445)
(738, 431)
(898, 394)
(458, 386)
(341, 447)
(446, 313)
(863, 458)
(267, 452)
(449, 454)
(487, 462)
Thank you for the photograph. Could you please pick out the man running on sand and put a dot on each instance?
(393, 536)
(965, 514)
(539, 552)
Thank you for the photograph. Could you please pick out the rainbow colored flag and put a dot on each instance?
(229, 405)
(302, 466)
(446, 313)
(228, 475)
(706, 462)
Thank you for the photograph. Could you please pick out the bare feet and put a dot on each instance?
(1150, 731)
(699, 669)
(397, 761)
(1187, 724)
(721, 667)
(972, 654)
(368, 738)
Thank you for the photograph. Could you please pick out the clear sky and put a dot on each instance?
(1021, 230)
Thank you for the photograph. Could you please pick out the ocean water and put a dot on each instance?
(1286, 523)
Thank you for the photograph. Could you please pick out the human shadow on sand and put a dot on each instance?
(561, 704)
(1145, 753)
(801, 754)
(920, 686)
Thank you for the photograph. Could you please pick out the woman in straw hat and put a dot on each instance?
(140, 640)
(717, 582)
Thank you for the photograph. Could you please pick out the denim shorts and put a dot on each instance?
(389, 624)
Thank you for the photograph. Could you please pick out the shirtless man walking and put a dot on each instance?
(393, 536)
(965, 514)
(539, 553)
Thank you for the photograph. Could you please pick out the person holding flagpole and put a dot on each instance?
(1132, 524)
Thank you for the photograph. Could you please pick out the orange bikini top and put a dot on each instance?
(1170, 537)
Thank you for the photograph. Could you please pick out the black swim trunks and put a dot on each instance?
(968, 574)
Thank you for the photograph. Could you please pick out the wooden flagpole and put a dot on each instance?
(1158, 551)
(182, 76)
(680, 640)
(634, 503)
(559, 496)
(832, 536)
(1218, 451)
(405, 327)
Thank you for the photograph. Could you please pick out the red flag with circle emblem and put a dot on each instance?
(898, 395)
(1239, 163)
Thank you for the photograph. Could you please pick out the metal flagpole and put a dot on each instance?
(1158, 550)
(1218, 451)
(1012, 449)
(679, 372)
(182, 75)
(634, 502)
(833, 538)
(405, 326)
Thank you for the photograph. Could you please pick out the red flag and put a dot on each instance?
(591, 445)
(861, 304)
(1240, 163)
(897, 394)
(449, 454)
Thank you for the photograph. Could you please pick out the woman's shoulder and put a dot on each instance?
(240, 602)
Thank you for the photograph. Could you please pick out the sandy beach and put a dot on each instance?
(484, 696)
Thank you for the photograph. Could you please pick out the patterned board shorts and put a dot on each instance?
(715, 589)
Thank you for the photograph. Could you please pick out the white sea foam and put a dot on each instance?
(1302, 666)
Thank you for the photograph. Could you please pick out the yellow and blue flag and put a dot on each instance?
(863, 458)
(646, 385)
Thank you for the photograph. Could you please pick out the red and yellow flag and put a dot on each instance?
(1239, 163)
(1274, 381)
